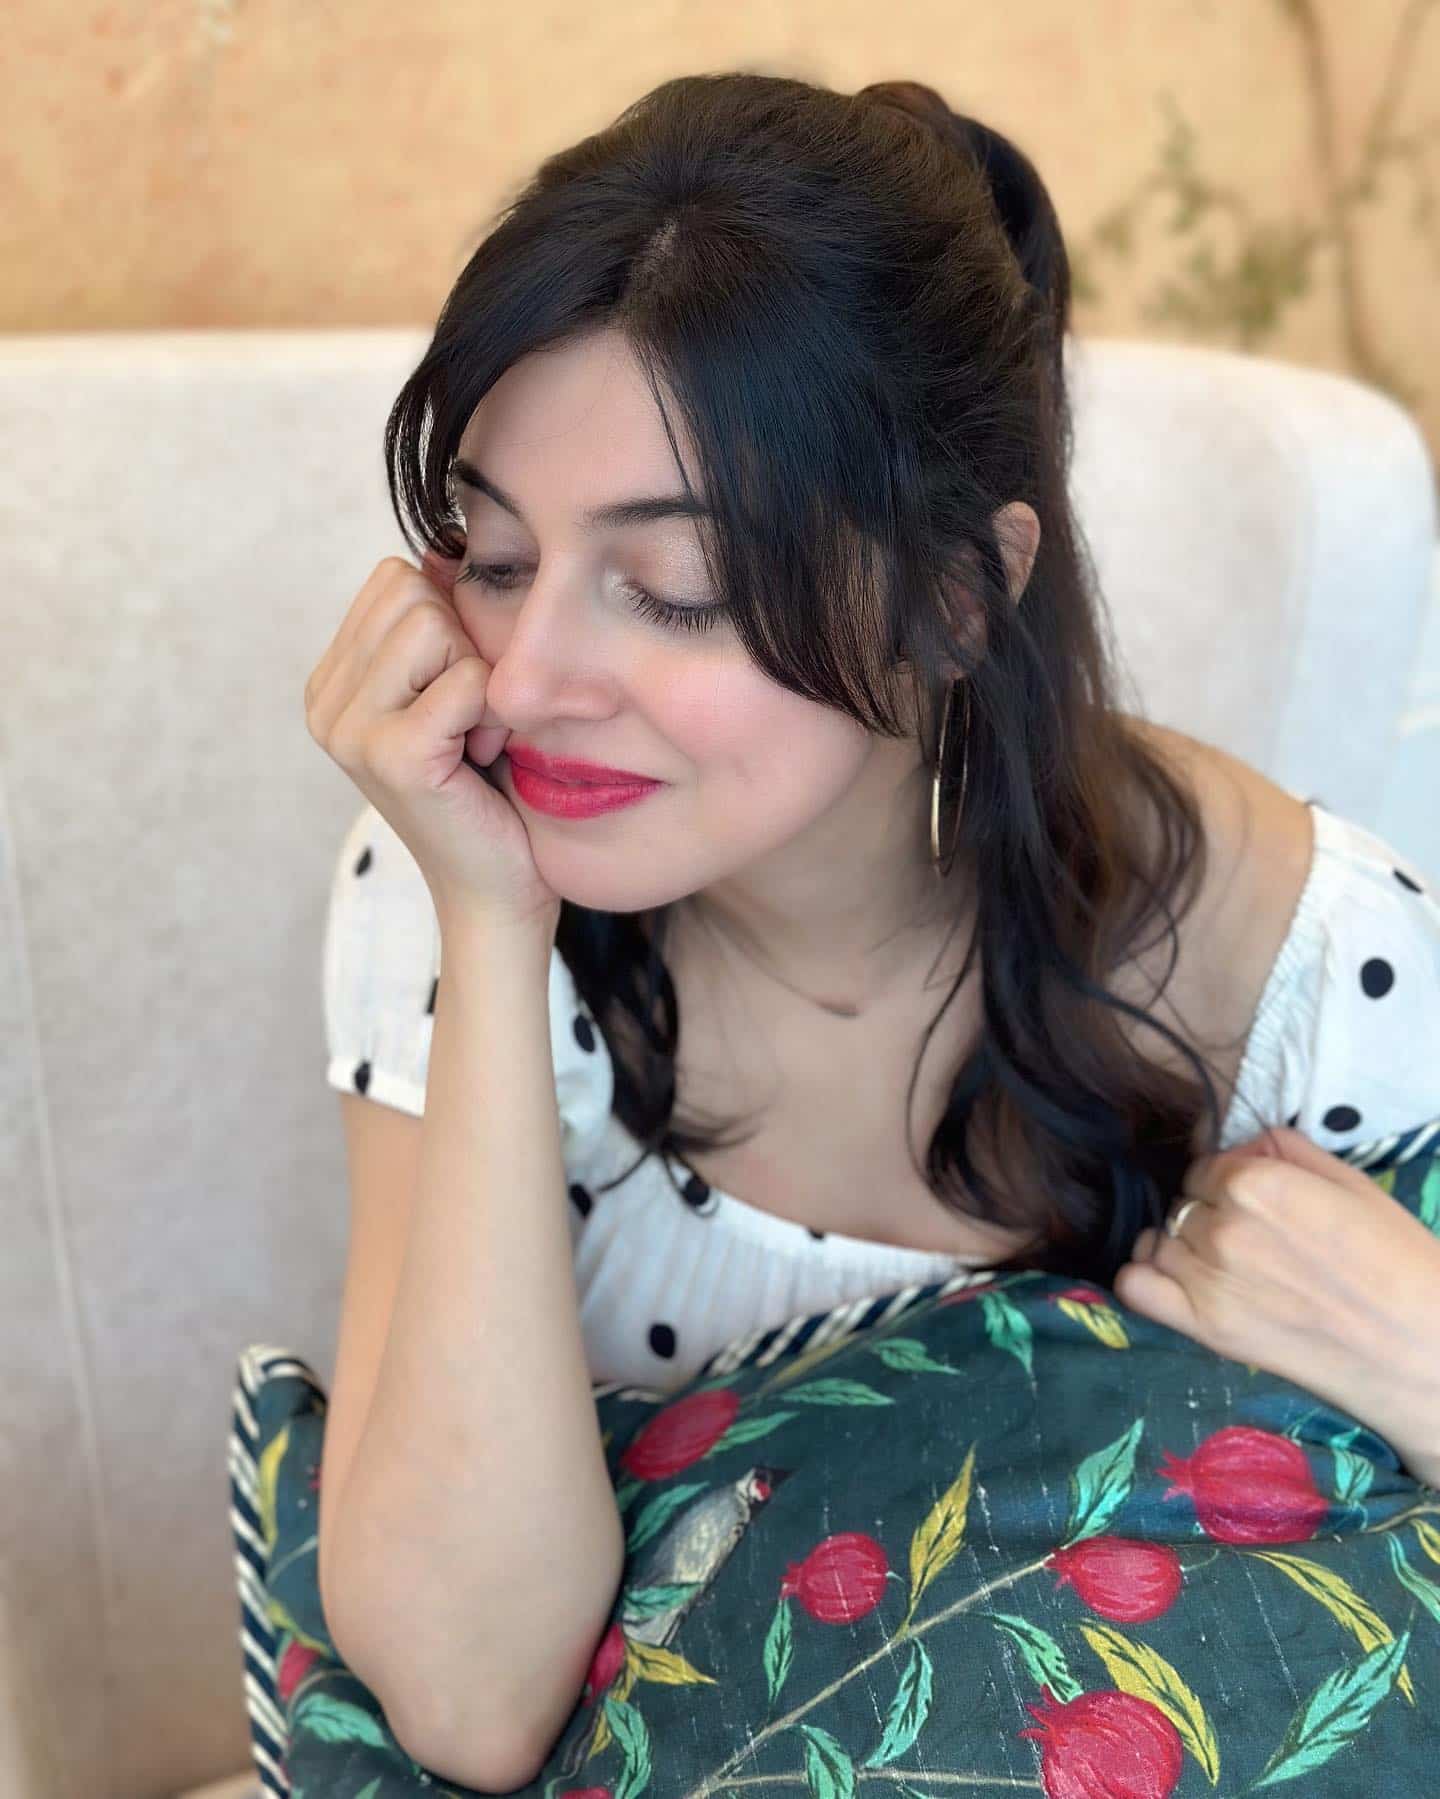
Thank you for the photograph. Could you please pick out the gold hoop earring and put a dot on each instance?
(935, 785)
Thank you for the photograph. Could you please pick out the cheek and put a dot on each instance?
(747, 740)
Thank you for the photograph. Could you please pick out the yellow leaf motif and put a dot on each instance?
(1429, 1538)
(1103, 1321)
(651, 1662)
(269, 1474)
(1342, 1602)
(284, 1623)
(938, 1539)
(1139, 1671)
(643, 1661)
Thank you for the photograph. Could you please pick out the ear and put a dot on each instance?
(1017, 526)
(1017, 531)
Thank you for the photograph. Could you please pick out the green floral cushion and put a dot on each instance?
(1006, 1537)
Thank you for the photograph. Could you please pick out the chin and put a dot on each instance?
(599, 893)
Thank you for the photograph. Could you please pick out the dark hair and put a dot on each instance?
(859, 304)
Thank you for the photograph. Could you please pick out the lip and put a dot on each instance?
(569, 771)
(572, 799)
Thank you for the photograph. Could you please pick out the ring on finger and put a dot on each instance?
(1178, 1217)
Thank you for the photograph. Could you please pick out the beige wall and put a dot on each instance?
(1260, 174)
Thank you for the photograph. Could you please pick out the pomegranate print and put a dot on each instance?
(1124, 1581)
(294, 1666)
(1249, 1486)
(607, 1662)
(1086, 1296)
(1106, 1746)
(840, 1580)
(681, 1434)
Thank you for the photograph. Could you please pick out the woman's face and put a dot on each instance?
(756, 778)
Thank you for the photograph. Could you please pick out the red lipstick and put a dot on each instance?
(566, 788)
(571, 769)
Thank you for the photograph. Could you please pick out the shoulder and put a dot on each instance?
(1259, 839)
(1259, 854)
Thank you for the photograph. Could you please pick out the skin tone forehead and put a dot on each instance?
(580, 418)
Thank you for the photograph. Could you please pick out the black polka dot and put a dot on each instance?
(662, 1341)
(1341, 1118)
(1377, 977)
(580, 1198)
(819, 1236)
(434, 987)
(584, 1032)
(1293, 1120)
(361, 1076)
(1405, 881)
(362, 866)
(697, 1195)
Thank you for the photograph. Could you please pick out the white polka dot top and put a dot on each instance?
(1345, 1046)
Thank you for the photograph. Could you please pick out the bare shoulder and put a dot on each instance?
(1260, 837)
(1259, 852)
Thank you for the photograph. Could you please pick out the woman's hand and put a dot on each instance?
(1296, 1262)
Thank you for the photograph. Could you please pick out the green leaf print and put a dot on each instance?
(1424, 1590)
(836, 1390)
(1341, 1707)
(1044, 1658)
(630, 1732)
(644, 1602)
(908, 1710)
(746, 1430)
(828, 1768)
(1008, 1328)
(339, 1721)
(907, 1355)
(1101, 1484)
(779, 1650)
(653, 1518)
(1428, 1210)
(1353, 1476)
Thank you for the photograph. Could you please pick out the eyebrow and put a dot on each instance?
(644, 510)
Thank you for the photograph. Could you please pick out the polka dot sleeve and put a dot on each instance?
(382, 967)
(584, 1073)
(381, 962)
(1345, 1045)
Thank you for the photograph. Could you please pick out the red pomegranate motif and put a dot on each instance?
(1105, 1746)
(1125, 1581)
(680, 1434)
(294, 1666)
(840, 1580)
(1088, 1296)
(1249, 1486)
(606, 1663)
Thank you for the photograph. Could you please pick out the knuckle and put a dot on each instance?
(1227, 1234)
(1261, 1182)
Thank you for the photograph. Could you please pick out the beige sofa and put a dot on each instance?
(186, 518)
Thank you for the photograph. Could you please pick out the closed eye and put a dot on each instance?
(499, 576)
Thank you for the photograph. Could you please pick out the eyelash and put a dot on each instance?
(675, 618)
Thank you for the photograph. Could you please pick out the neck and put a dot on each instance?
(847, 985)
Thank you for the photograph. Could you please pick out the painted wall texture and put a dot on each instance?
(1257, 174)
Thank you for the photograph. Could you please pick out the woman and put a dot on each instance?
(900, 840)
